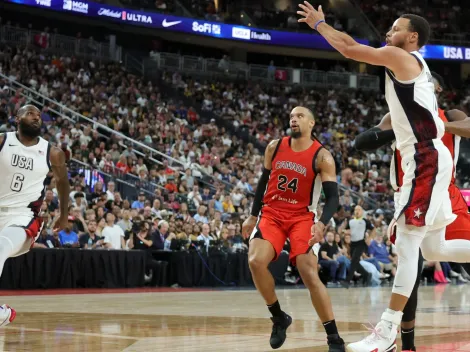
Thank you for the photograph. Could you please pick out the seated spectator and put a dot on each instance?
(200, 216)
(140, 202)
(143, 240)
(113, 234)
(205, 236)
(67, 237)
(91, 240)
(378, 250)
(46, 241)
(328, 254)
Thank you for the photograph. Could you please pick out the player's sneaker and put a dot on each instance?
(7, 315)
(335, 343)
(278, 335)
(383, 337)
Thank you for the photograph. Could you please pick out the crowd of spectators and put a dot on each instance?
(445, 16)
(203, 193)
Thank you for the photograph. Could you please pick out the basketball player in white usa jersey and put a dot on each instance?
(25, 161)
(424, 208)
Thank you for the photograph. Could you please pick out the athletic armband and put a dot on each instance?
(258, 201)
(373, 139)
(332, 201)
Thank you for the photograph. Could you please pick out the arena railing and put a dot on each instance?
(197, 66)
(61, 44)
(141, 149)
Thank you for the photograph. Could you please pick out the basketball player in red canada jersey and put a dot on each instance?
(296, 168)
(457, 122)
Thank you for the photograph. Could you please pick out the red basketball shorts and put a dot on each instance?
(460, 228)
(276, 227)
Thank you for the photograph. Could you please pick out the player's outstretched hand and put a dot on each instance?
(310, 15)
(317, 233)
(248, 226)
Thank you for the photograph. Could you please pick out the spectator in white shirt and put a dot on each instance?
(204, 236)
(195, 196)
(113, 234)
(200, 216)
(110, 190)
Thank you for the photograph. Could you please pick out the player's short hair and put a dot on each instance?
(421, 26)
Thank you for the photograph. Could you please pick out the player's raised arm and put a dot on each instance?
(377, 136)
(459, 123)
(249, 224)
(59, 169)
(392, 57)
(325, 165)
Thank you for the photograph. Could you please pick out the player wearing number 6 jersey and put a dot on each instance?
(295, 169)
(26, 160)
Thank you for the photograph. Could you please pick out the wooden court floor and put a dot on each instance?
(198, 320)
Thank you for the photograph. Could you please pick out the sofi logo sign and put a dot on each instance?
(206, 28)
(75, 6)
(135, 17)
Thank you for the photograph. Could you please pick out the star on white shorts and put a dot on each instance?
(418, 213)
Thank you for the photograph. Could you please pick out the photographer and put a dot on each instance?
(143, 240)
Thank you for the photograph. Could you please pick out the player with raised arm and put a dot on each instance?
(296, 168)
(423, 209)
(382, 135)
(25, 161)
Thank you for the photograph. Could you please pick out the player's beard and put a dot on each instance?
(29, 130)
(296, 134)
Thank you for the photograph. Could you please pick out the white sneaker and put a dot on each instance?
(461, 279)
(384, 276)
(7, 315)
(382, 339)
(454, 274)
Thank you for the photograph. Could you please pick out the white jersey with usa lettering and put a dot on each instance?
(427, 164)
(24, 171)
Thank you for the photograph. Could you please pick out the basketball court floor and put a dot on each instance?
(215, 320)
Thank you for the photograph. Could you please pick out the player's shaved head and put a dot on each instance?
(25, 108)
(28, 120)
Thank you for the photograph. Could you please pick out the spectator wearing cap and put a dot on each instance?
(67, 237)
(140, 202)
(113, 234)
(200, 216)
(91, 240)
(171, 186)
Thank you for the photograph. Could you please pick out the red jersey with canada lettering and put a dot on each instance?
(452, 142)
(294, 184)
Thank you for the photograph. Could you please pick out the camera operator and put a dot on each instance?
(143, 240)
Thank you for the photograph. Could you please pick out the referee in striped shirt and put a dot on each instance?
(358, 227)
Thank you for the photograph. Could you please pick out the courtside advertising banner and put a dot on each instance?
(183, 24)
(217, 29)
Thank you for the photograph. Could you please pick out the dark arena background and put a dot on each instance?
(164, 110)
